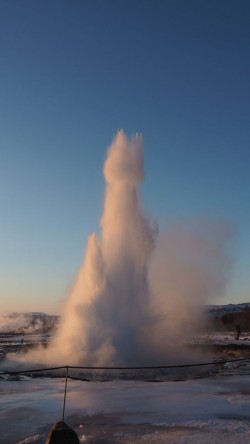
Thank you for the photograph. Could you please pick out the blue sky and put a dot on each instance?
(72, 74)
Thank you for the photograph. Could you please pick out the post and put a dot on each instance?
(65, 393)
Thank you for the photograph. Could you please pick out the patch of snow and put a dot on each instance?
(29, 440)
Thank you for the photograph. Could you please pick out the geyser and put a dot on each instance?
(108, 308)
(138, 294)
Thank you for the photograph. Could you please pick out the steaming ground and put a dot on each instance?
(138, 294)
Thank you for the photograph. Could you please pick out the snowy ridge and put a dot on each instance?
(39, 322)
(220, 310)
(28, 323)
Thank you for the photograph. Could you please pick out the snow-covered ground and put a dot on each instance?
(223, 338)
(213, 410)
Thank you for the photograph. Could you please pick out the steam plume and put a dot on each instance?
(137, 295)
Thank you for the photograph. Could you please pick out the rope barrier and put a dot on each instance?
(152, 367)
(159, 367)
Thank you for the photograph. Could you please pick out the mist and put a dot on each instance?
(138, 296)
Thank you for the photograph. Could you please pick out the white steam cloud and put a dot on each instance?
(138, 294)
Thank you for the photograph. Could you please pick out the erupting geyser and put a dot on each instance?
(138, 294)
(109, 304)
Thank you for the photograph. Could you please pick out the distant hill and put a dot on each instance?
(28, 323)
(226, 317)
(217, 318)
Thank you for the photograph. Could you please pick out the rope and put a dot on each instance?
(158, 367)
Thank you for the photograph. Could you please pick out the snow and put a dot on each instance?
(220, 310)
(222, 338)
(204, 410)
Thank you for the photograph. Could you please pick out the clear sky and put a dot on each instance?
(72, 74)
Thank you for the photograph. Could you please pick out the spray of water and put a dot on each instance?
(138, 294)
(109, 303)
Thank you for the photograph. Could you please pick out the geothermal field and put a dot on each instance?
(161, 364)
